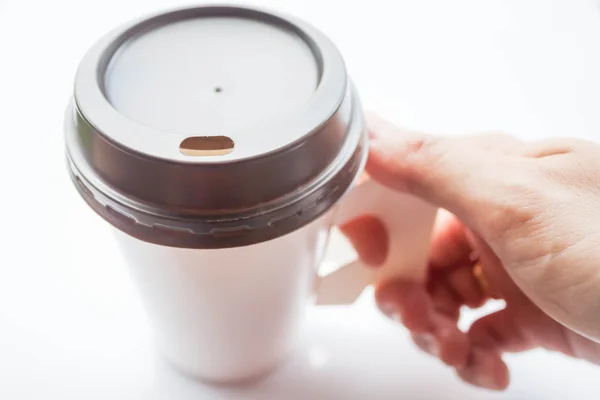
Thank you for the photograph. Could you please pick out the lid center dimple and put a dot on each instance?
(173, 78)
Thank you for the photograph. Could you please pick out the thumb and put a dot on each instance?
(464, 175)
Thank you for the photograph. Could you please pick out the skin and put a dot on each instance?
(528, 213)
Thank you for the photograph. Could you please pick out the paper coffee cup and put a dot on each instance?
(216, 141)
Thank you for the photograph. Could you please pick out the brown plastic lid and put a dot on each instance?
(214, 126)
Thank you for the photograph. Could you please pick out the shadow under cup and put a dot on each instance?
(216, 141)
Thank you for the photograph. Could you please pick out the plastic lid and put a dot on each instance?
(213, 127)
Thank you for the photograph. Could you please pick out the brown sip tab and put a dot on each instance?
(206, 146)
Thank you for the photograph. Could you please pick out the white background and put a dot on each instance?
(70, 324)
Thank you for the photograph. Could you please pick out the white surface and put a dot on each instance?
(70, 324)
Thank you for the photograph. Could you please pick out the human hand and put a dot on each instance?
(523, 226)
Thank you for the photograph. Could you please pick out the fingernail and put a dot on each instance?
(486, 381)
(428, 343)
(479, 379)
(431, 345)
(389, 310)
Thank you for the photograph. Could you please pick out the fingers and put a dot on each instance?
(508, 330)
(431, 312)
(498, 333)
(434, 330)
(466, 286)
(485, 369)
(445, 342)
(453, 344)
(476, 356)
(450, 246)
(461, 175)
(432, 318)
(408, 303)
(445, 300)
(452, 279)
(521, 327)
(444, 171)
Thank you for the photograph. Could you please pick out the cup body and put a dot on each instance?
(227, 315)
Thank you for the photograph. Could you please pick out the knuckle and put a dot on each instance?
(424, 148)
(424, 155)
(555, 147)
(508, 218)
